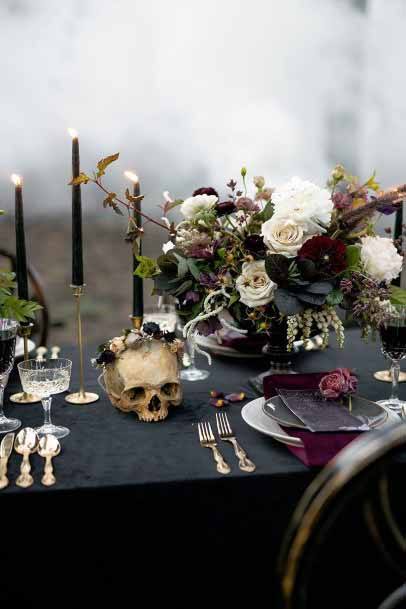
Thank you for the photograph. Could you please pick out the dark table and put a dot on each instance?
(141, 504)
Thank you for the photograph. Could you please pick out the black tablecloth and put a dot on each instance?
(143, 502)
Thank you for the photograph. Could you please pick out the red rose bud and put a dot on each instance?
(217, 403)
(235, 397)
(216, 394)
(225, 207)
(206, 190)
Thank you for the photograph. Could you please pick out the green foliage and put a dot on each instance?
(104, 163)
(335, 297)
(146, 268)
(266, 213)
(277, 268)
(12, 307)
(353, 256)
(398, 295)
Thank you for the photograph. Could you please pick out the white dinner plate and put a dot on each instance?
(254, 416)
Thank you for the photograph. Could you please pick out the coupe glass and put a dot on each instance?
(45, 379)
(393, 337)
(8, 334)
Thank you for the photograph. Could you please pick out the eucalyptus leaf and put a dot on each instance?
(320, 287)
(287, 303)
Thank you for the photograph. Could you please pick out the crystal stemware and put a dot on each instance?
(393, 337)
(46, 379)
(190, 372)
(8, 334)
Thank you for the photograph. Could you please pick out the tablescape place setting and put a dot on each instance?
(26, 443)
(315, 414)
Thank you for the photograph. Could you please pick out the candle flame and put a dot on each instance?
(16, 179)
(132, 176)
(73, 133)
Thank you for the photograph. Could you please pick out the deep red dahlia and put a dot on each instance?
(206, 190)
(327, 254)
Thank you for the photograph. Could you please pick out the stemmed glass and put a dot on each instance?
(45, 379)
(393, 337)
(8, 334)
(190, 372)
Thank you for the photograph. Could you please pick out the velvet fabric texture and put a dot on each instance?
(319, 448)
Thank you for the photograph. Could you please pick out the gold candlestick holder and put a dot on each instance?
(386, 376)
(81, 396)
(22, 397)
(136, 321)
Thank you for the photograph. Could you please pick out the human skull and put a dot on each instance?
(145, 380)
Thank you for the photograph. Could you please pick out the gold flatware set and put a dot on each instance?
(208, 440)
(26, 443)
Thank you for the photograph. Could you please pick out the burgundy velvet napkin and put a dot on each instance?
(319, 447)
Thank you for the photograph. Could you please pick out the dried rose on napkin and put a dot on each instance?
(338, 383)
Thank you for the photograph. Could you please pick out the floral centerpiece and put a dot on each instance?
(282, 260)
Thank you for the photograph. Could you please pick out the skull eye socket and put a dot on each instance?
(136, 393)
(170, 389)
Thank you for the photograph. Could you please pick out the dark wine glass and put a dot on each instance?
(8, 335)
(393, 337)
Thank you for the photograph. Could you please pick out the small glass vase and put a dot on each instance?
(277, 350)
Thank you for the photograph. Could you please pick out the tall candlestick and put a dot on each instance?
(77, 247)
(21, 257)
(138, 284)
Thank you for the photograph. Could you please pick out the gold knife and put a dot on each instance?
(6, 448)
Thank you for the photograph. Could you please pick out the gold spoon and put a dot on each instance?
(48, 448)
(25, 444)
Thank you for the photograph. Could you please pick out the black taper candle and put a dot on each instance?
(138, 284)
(77, 247)
(21, 257)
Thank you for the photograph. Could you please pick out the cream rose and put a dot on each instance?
(255, 287)
(193, 205)
(380, 258)
(283, 236)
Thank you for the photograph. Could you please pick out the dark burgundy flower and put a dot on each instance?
(254, 244)
(208, 280)
(106, 357)
(327, 254)
(341, 200)
(387, 208)
(191, 297)
(208, 326)
(151, 328)
(246, 204)
(206, 190)
(225, 207)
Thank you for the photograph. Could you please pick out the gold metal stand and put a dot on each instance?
(81, 396)
(22, 397)
(385, 375)
(136, 322)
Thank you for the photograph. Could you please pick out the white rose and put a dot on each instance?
(117, 345)
(255, 287)
(283, 236)
(193, 205)
(304, 202)
(168, 246)
(380, 258)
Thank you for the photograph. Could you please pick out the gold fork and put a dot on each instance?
(207, 440)
(226, 433)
